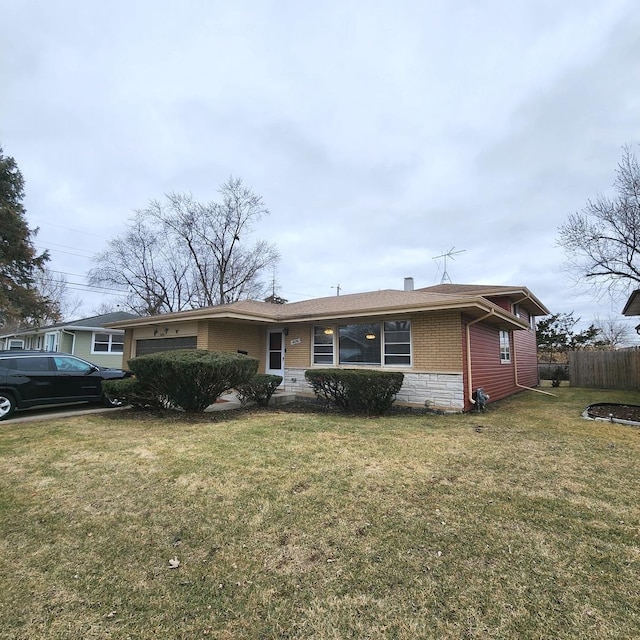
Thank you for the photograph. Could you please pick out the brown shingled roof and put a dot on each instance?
(530, 301)
(467, 298)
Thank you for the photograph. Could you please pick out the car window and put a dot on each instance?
(37, 363)
(66, 363)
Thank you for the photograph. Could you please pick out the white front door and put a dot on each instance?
(275, 352)
(51, 342)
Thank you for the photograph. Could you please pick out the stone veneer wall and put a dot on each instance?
(443, 391)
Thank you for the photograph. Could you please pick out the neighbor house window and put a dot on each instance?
(16, 344)
(34, 342)
(323, 345)
(505, 347)
(107, 343)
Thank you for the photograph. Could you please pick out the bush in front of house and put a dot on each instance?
(259, 389)
(131, 391)
(191, 379)
(358, 390)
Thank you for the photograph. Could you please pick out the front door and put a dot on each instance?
(275, 352)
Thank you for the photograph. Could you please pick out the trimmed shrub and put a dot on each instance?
(259, 389)
(358, 390)
(131, 391)
(554, 372)
(191, 379)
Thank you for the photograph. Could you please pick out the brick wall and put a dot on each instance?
(437, 341)
(299, 353)
(233, 337)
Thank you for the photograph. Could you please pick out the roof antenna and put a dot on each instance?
(449, 254)
(337, 288)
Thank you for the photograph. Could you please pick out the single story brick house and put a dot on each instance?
(447, 339)
(86, 338)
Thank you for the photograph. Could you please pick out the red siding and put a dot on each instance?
(504, 303)
(497, 379)
(526, 355)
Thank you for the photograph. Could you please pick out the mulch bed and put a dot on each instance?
(608, 410)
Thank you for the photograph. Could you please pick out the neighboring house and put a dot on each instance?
(448, 339)
(87, 338)
(632, 307)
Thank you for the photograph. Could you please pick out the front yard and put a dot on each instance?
(522, 522)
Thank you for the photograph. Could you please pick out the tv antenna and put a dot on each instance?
(337, 288)
(448, 255)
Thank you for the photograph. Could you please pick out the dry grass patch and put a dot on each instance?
(518, 523)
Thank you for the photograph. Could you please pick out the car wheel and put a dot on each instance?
(7, 405)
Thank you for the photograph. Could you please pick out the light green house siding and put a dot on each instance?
(65, 342)
(84, 342)
(79, 343)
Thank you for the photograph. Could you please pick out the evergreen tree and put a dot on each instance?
(20, 301)
(556, 335)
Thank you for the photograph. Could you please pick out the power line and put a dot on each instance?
(69, 253)
(87, 287)
(59, 226)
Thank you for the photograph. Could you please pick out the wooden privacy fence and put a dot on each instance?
(618, 369)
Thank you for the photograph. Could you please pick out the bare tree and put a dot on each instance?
(148, 266)
(106, 306)
(614, 333)
(55, 288)
(182, 254)
(602, 242)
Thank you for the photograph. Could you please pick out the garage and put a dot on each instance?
(155, 345)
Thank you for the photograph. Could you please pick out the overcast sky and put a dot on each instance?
(381, 134)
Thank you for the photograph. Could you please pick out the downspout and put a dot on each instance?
(469, 375)
(521, 386)
(73, 340)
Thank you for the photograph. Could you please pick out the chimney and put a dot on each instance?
(408, 284)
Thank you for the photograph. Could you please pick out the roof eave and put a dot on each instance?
(632, 308)
(193, 316)
(474, 308)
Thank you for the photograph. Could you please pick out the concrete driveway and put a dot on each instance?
(226, 402)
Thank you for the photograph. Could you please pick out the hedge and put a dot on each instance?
(358, 390)
(191, 379)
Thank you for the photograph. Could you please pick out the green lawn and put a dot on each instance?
(522, 522)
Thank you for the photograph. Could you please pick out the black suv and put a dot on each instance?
(33, 378)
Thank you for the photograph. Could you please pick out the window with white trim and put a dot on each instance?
(51, 342)
(505, 347)
(397, 342)
(107, 343)
(16, 344)
(367, 343)
(323, 345)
